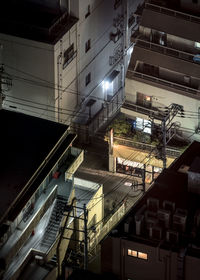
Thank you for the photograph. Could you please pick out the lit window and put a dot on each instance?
(132, 253)
(142, 256)
(87, 46)
(197, 45)
(87, 79)
(143, 125)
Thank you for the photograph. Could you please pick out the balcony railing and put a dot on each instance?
(134, 74)
(171, 152)
(170, 12)
(165, 50)
(154, 112)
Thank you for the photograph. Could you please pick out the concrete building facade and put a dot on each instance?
(164, 68)
(69, 61)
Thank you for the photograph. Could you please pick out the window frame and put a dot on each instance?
(69, 55)
(87, 79)
(87, 45)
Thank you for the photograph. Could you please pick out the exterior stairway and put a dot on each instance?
(53, 226)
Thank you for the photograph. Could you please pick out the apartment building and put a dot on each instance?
(68, 61)
(164, 68)
(36, 159)
(159, 238)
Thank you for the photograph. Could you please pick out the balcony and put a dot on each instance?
(165, 83)
(171, 152)
(170, 12)
(165, 50)
(150, 112)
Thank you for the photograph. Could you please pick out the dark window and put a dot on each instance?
(69, 55)
(87, 46)
(87, 79)
(195, 1)
(88, 11)
(117, 4)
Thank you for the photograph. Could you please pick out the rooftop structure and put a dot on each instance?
(31, 20)
(163, 224)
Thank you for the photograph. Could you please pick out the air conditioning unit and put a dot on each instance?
(150, 222)
(179, 220)
(115, 36)
(164, 218)
(127, 225)
(172, 236)
(155, 233)
(139, 222)
(152, 204)
(169, 205)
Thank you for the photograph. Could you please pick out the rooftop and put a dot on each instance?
(26, 142)
(169, 210)
(33, 21)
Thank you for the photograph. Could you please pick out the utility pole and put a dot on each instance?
(85, 238)
(166, 127)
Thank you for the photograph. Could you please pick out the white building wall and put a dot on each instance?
(65, 77)
(30, 64)
(40, 84)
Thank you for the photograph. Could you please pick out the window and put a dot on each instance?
(136, 254)
(87, 46)
(87, 79)
(69, 55)
(144, 100)
(143, 125)
(132, 253)
(142, 256)
(88, 11)
(117, 4)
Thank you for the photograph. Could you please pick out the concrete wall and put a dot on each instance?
(192, 268)
(160, 264)
(30, 64)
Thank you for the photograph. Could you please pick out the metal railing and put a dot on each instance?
(165, 50)
(145, 147)
(152, 113)
(132, 74)
(170, 12)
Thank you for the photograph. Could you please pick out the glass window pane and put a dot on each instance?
(142, 256)
(129, 252)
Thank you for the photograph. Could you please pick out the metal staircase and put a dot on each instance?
(53, 226)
